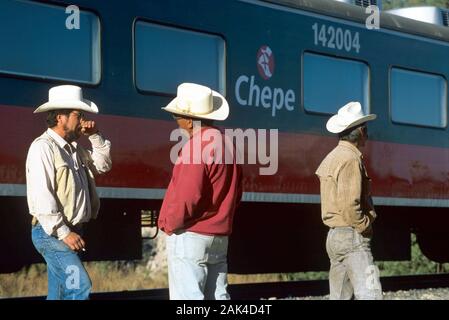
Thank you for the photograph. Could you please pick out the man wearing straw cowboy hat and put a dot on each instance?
(347, 208)
(199, 205)
(61, 189)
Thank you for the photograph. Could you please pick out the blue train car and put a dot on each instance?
(284, 64)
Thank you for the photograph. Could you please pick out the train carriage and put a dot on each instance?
(283, 65)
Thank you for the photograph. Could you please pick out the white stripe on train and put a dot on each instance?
(19, 190)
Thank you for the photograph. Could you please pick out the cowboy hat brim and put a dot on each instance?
(220, 109)
(84, 105)
(333, 126)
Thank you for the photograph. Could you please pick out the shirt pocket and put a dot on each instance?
(62, 173)
(329, 189)
(193, 247)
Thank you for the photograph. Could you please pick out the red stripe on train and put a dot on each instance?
(141, 158)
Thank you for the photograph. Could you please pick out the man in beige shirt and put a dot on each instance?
(347, 208)
(61, 190)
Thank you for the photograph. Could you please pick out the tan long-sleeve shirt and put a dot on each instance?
(345, 189)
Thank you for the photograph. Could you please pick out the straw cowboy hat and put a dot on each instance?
(197, 101)
(348, 116)
(67, 97)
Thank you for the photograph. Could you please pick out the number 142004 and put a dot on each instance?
(335, 38)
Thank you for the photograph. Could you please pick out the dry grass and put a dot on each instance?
(255, 278)
(120, 276)
(29, 281)
(106, 276)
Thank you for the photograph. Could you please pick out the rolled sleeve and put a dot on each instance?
(101, 153)
(53, 224)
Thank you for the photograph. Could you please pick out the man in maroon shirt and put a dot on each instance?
(204, 191)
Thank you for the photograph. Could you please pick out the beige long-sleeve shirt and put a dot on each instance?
(41, 188)
(345, 189)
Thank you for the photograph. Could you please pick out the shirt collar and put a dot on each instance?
(201, 130)
(60, 140)
(350, 146)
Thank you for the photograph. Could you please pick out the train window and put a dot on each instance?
(166, 57)
(426, 106)
(330, 83)
(41, 41)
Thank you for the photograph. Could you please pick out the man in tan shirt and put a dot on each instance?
(347, 208)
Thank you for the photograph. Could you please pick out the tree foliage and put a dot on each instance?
(390, 4)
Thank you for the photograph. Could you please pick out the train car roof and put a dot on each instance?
(355, 13)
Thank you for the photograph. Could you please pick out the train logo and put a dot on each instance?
(249, 93)
(265, 62)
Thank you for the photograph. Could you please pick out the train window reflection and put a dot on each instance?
(330, 83)
(426, 106)
(166, 57)
(36, 42)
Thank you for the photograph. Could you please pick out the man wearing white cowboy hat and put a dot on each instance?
(347, 208)
(199, 205)
(61, 189)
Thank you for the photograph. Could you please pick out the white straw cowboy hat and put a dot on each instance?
(348, 116)
(67, 97)
(197, 101)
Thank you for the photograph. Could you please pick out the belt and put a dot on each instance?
(34, 221)
(341, 227)
(78, 227)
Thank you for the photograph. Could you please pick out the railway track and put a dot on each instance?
(255, 291)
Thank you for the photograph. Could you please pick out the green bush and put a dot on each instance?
(418, 264)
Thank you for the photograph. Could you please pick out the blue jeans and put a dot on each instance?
(352, 268)
(197, 266)
(67, 278)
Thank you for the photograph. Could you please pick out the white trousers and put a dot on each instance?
(197, 266)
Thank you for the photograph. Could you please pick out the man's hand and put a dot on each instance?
(88, 127)
(74, 241)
